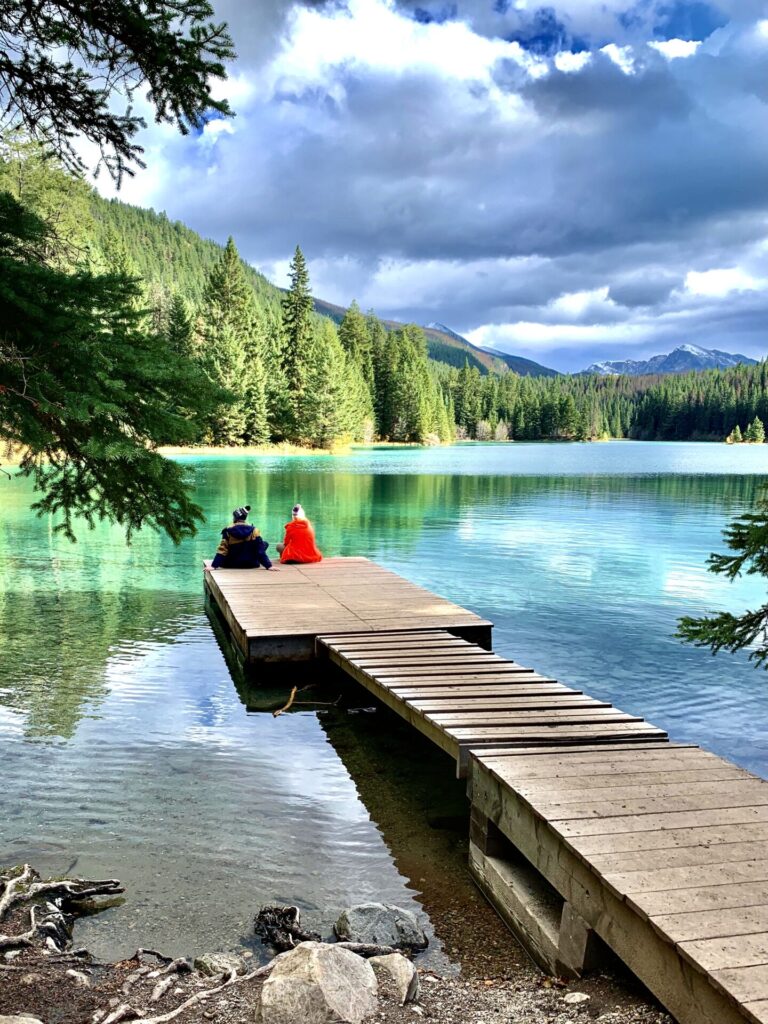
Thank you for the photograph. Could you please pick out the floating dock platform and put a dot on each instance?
(588, 827)
(276, 616)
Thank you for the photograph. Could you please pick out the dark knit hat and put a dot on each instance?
(241, 514)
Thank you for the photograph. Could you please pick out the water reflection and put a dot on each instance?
(126, 747)
(410, 790)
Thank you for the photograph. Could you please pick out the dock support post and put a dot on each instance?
(488, 839)
(578, 946)
(549, 928)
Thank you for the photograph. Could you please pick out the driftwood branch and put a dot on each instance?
(367, 949)
(13, 887)
(123, 1012)
(286, 706)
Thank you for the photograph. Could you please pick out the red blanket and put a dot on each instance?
(300, 542)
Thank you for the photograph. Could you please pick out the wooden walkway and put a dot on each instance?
(587, 826)
(658, 850)
(462, 697)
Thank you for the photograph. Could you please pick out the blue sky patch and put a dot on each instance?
(681, 19)
(544, 34)
(426, 16)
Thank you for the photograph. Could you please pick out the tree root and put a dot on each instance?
(50, 930)
(39, 914)
(281, 927)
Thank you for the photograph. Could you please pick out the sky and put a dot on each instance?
(571, 182)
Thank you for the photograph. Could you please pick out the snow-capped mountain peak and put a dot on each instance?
(682, 360)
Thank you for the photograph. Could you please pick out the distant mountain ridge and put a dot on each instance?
(443, 345)
(681, 360)
(525, 367)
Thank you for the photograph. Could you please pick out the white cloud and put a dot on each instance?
(569, 63)
(577, 304)
(676, 48)
(547, 336)
(375, 35)
(622, 56)
(213, 130)
(721, 282)
(238, 88)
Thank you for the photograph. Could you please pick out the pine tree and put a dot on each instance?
(356, 341)
(297, 357)
(384, 377)
(735, 435)
(231, 347)
(91, 409)
(274, 386)
(84, 58)
(747, 537)
(755, 432)
(178, 327)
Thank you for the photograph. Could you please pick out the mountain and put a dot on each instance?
(525, 367)
(172, 256)
(681, 360)
(443, 345)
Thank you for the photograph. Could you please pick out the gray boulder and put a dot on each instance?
(22, 1019)
(213, 964)
(381, 924)
(397, 977)
(317, 983)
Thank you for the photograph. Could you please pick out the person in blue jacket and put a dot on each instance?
(241, 546)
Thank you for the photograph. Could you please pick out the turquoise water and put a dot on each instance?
(126, 748)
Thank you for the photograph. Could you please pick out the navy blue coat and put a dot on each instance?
(241, 547)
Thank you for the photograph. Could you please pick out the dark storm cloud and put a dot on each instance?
(412, 167)
(643, 289)
(482, 199)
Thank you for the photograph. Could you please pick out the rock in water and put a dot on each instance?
(316, 983)
(213, 964)
(396, 976)
(381, 924)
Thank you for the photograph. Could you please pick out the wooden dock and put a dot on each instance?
(588, 827)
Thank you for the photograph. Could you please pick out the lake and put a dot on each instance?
(126, 749)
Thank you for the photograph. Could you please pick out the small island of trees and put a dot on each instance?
(754, 434)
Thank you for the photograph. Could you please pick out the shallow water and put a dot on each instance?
(126, 746)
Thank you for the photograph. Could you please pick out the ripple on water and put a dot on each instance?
(126, 748)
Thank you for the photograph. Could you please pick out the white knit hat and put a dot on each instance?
(297, 512)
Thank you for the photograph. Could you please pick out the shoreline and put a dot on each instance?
(285, 449)
(50, 983)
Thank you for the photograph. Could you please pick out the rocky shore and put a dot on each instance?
(367, 974)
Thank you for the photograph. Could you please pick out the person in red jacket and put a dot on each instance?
(299, 541)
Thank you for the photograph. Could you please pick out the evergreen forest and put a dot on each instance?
(281, 372)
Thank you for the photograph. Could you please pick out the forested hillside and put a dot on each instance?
(294, 375)
(166, 254)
